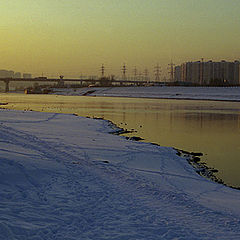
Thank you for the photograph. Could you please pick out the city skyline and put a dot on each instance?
(76, 37)
(175, 72)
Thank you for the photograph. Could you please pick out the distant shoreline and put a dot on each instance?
(197, 99)
(127, 96)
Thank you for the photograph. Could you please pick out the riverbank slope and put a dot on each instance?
(65, 177)
(165, 92)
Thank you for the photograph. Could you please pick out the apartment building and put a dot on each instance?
(6, 74)
(208, 72)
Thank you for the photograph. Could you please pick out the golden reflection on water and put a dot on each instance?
(209, 127)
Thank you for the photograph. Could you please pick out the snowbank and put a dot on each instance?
(198, 93)
(65, 177)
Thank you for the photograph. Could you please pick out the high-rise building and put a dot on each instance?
(6, 74)
(196, 67)
(17, 75)
(27, 75)
(177, 74)
(209, 72)
(236, 72)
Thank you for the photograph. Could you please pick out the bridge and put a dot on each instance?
(60, 82)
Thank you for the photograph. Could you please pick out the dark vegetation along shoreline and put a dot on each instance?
(201, 168)
(193, 158)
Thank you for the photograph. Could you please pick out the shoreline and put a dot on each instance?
(83, 94)
(193, 158)
(72, 178)
(201, 168)
(173, 93)
(194, 99)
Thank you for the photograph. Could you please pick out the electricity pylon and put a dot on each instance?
(201, 71)
(171, 71)
(145, 74)
(124, 70)
(157, 71)
(102, 70)
(135, 73)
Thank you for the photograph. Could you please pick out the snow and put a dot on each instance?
(197, 93)
(65, 177)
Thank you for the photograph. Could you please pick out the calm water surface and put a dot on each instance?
(210, 127)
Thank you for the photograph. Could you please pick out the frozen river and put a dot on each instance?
(210, 127)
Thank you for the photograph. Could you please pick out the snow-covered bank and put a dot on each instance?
(195, 93)
(66, 177)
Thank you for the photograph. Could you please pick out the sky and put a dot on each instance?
(75, 37)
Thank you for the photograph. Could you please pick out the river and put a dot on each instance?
(210, 127)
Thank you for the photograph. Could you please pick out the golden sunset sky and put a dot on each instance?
(73, 37)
